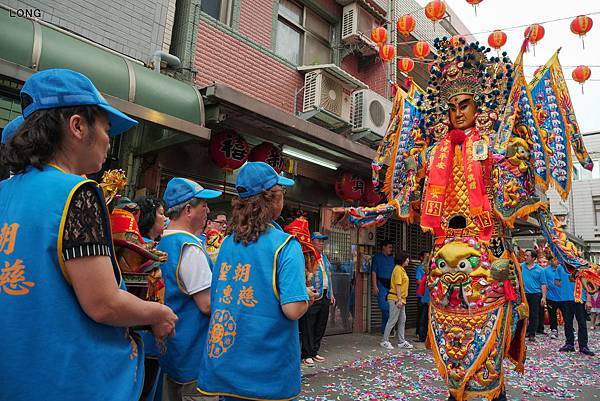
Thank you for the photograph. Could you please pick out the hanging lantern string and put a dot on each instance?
(501, 29)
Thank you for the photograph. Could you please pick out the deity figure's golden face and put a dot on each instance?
(462, 110)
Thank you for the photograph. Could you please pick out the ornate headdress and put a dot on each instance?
(465, 69)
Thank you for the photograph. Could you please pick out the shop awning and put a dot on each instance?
(249, 115)
(27, 46)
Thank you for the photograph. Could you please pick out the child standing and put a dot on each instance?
(397, 302)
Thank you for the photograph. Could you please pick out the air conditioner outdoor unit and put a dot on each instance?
(357, 24)
(370, 112)
(324, 92)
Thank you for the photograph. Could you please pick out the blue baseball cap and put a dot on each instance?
(180, 190)
(55, 88)
(9, 129)
(257, 177)
(318, 235)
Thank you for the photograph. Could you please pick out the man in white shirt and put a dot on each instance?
(188, 277)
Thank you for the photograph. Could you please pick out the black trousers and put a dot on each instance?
(422, 319)
(313, 325)
(553, 307)
(572, 309)
(534, 301)
(541, 318)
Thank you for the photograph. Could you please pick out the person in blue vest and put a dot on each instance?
(382, 266)
(422, 296)
(258, 294)
(570, 310)
(63, 310)
(552, 273)
(188, 275)
(314, 323)
(534, 281)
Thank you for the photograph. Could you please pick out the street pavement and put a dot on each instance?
(358, 369)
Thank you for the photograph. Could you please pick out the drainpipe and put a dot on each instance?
(172, 61)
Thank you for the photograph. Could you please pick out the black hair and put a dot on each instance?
(41, 134)
(400, 258)
(148, 207)
(212, 216)
(534, 254)
(422, 254)
(387, 242)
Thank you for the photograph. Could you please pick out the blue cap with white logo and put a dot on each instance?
(9, 129)
(180, 190)
(257, 177)
(318, 235)
(55, 88)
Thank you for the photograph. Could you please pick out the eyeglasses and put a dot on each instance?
(223, 223)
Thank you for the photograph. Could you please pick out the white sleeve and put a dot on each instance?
(194, 270)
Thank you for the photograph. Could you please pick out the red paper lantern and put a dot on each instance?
(497, 39)
(379, 35)
(350, 187)
(457, 40)
(406, 65)
(268, 153)
(535, 33)
(581, 25)
(406, 24)
(387, 52)
(370, 196)
(421, 49)
(228, 150)
(435, 10)
(581, 74)
(474, 3)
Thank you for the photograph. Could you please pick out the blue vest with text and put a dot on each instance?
(51, 350)
(317, 279)
(184, 350)
(253, 349)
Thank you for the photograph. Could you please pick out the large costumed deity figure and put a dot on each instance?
(466, 159)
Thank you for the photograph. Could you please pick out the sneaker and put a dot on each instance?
(319, 358)
(586, 351)
(386, 345)
(308, 362)
(567, 348)
(405, 345)
(554, 334)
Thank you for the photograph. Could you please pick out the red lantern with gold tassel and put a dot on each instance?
(581, 74)
(421, 49)
(497, 39)
(406, 24)
(387, 52)
(406, 65)
(457, 40)
(379, 35)
(228, 150)
(581, 25)
(435, 11)
(535, 33)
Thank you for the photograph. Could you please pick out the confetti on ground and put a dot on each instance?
(410, 376)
